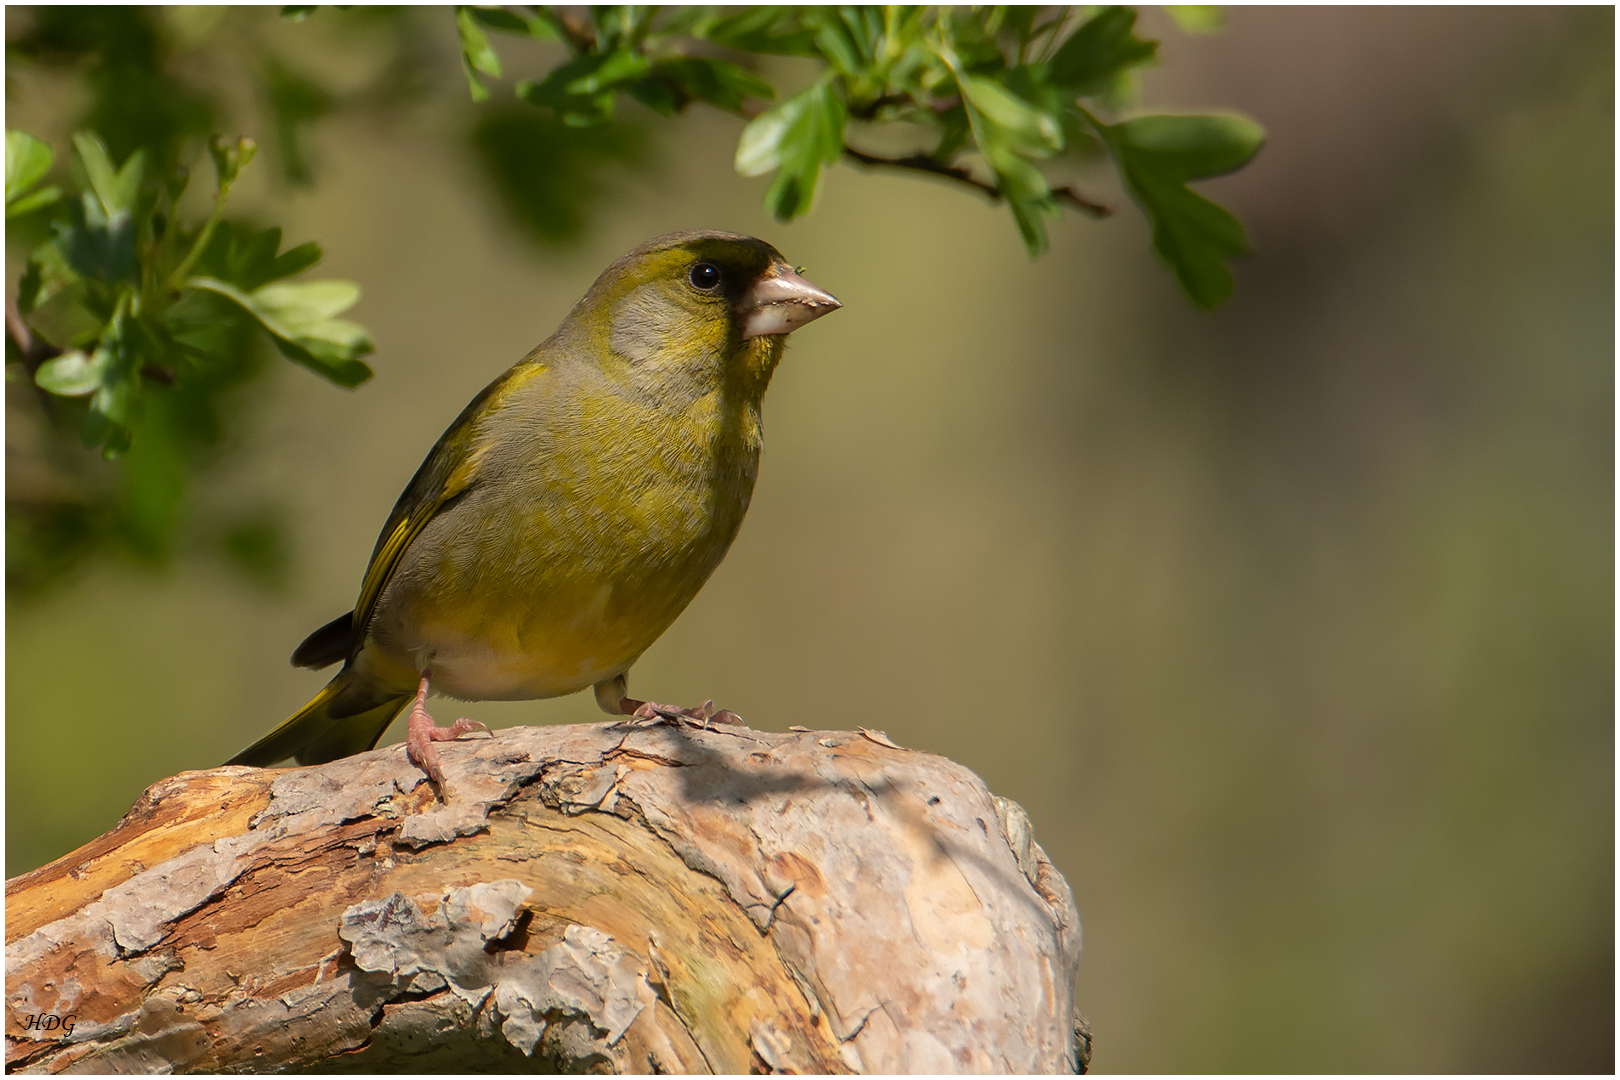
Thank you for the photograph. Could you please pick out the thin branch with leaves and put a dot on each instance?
(133, 323)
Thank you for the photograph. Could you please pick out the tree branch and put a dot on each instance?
(575, 21)
(590, 898)
(924, 164)
(35, 351)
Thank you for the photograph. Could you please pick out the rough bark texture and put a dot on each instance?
(588, 898)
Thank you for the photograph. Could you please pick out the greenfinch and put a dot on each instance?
(572, 510)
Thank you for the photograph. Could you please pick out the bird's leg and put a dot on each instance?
(421, 733)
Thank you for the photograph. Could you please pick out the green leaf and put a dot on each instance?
(299, 317)
(297, 12)
(680, 20)
(545, 25)
(112, 402)
(33, 201)
(116, 188)
(1009, 131)
(761, 29)
(477, 55)
(615, 68)
(719, 82)
(581, 91)
(1020, 21)
(73, 374)
(864, 24)
(506, 22)
(300, 307)
(247, 258)
(1157, 156)
(956, 133)
(1192, 147)
(796, 138)
(31, 287)
(214, 334)
(47, 274)
(972, 44)
(95, 245)
(661, 96)
(332, 352)
(249, 255)
(1198, 18)
(107, 421)
(1028, 197)
(293, 261)
(1008, 119)
(620, 26)
(761, 147)
(27, 161)
(833, 41)
(1102, 48)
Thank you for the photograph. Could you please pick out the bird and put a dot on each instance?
(571, 512)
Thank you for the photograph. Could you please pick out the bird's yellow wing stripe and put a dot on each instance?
(389, 552)
(382, 567)
(456, 458)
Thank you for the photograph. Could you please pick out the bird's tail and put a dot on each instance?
(342, 719)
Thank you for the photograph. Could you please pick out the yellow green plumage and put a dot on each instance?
(576, 506)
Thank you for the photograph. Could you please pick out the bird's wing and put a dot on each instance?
(450, 469)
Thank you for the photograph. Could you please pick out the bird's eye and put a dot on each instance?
(704, 276)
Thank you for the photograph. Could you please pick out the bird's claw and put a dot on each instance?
(651, 714)
(421, 732)
(461, 727)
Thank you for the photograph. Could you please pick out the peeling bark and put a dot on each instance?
(590, 898)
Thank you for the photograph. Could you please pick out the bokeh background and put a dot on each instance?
(1291, 625)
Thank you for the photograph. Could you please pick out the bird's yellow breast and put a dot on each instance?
(596, 517)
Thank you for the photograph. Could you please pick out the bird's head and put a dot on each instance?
(696, 310)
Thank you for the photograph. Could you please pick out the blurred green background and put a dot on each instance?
(1291, 625)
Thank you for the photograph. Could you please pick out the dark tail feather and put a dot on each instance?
(326, 729)
(327, 645)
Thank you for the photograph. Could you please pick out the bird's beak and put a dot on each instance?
(780, 301)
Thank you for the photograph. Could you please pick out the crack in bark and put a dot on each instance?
(860, 1027)
(641, 755)
(770, 919)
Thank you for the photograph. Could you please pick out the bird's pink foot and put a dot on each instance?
(421, 733)
(651, 714)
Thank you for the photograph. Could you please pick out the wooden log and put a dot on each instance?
(598, 897)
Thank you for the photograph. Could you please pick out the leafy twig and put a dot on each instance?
(229, 161)
(925, 164)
